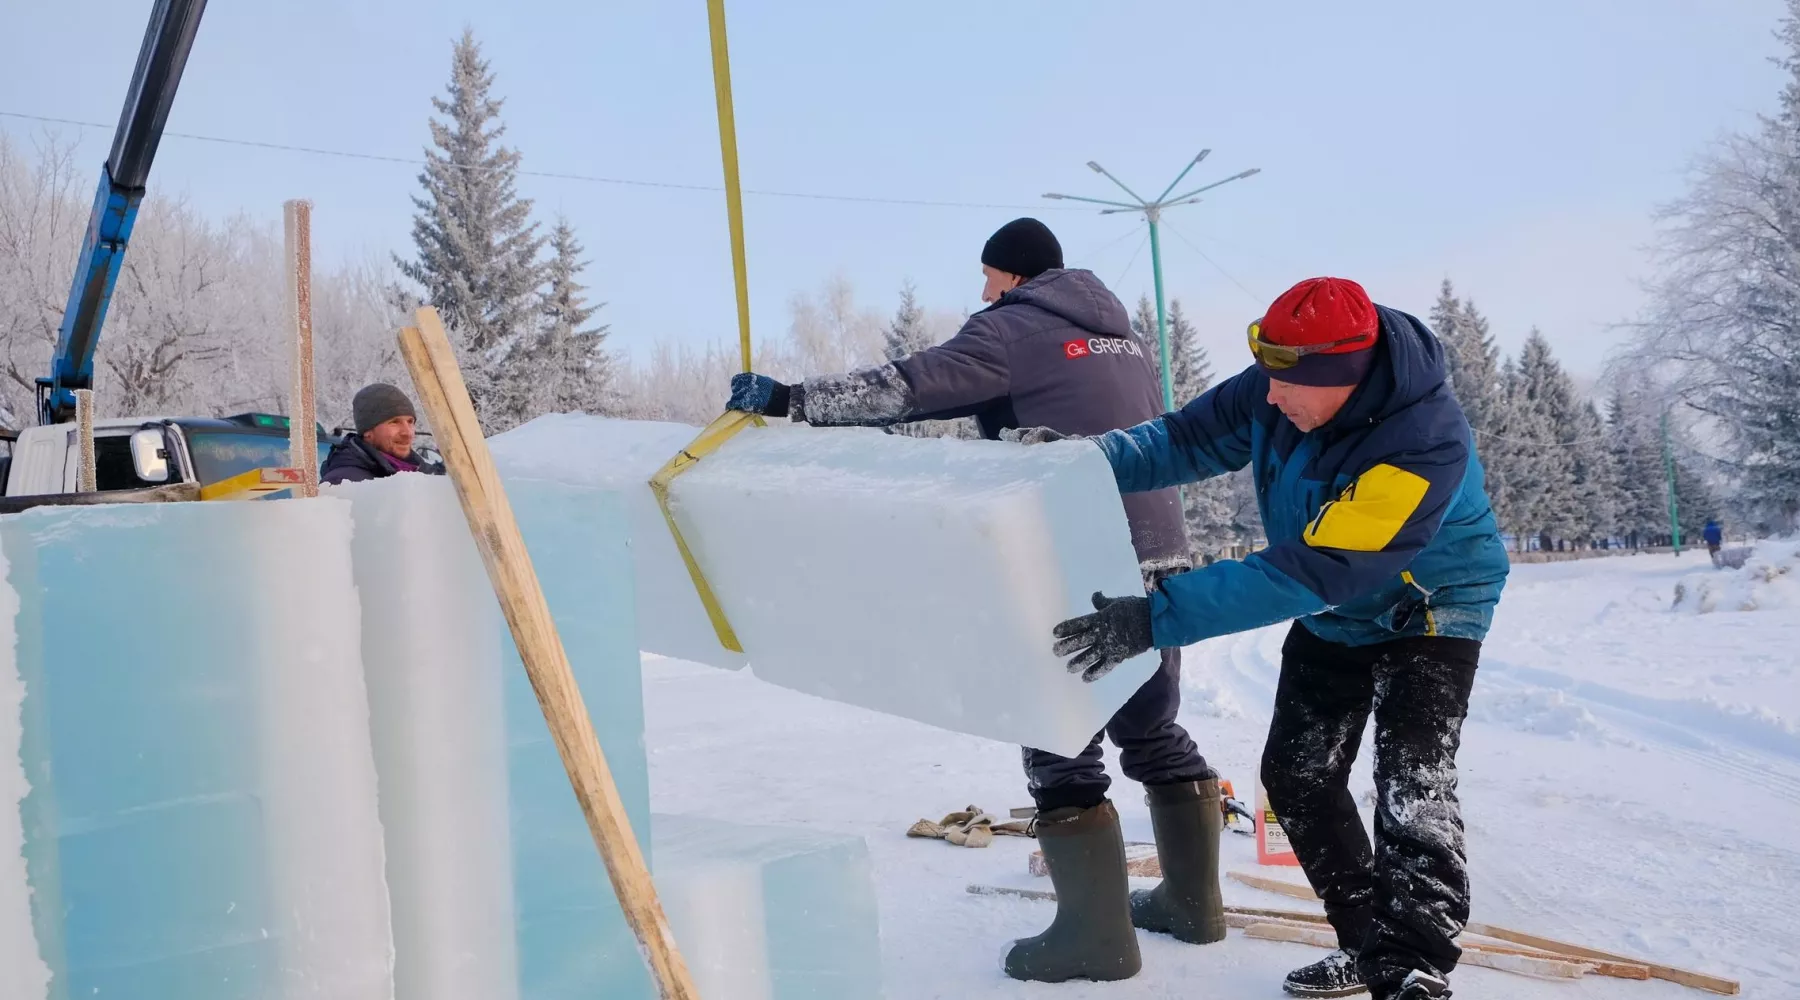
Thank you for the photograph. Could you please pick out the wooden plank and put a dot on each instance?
(455, 429)
(172, 493)
(87, 469)
(1274, 885)
(1667, 973)
(1046, 895)
(303, 434)
(1524, 965)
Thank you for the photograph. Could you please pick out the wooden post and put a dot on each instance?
(458, 434)
(303, 437)
(86, 472)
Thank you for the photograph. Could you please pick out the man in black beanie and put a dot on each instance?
(383, 442)
(1054, 349)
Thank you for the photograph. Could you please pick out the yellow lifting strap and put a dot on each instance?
(722, 429)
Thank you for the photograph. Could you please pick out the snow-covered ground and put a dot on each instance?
(1630, 780)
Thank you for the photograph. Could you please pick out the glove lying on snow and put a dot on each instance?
(1118, 630)
(760, 394)
(969, 828)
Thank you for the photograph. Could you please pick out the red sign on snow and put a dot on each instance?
(1076, 349)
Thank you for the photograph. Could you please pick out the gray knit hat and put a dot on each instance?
(377, 404)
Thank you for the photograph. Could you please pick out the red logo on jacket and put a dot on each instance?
(1076, 349)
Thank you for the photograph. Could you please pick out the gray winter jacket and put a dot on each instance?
(1056, 352)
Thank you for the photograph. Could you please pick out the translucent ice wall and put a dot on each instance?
(498, 890)
(769, 913)
(201, 819)
(913, 576)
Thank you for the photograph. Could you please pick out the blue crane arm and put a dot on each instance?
(162, 57)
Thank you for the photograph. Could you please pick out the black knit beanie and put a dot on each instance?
(377, 404)
(1025, 247)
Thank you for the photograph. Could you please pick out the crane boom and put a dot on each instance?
(161, 59)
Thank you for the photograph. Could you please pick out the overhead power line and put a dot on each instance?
(560, 175)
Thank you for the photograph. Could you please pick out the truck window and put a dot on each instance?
(113, 468)
(219, 455)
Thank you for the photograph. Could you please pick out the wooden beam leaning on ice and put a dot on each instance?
(455, 428)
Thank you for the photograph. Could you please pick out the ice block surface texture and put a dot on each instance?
(769, 913)
(917, 577)
(499, 891)
(201, 820)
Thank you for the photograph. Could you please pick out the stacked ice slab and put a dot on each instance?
(766, 913)
(181, 687)
(498, 890)
(912, 576)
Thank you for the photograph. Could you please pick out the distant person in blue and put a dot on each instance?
(1384, 552)
(1715, 537)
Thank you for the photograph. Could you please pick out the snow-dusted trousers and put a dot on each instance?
(1400, 906)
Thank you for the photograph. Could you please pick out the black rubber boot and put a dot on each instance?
(1186, 904)
(1091, 937)
(1334, 975)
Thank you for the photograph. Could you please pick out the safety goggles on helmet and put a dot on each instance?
(1278, 357)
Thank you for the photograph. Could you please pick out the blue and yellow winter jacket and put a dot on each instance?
(1378, 523)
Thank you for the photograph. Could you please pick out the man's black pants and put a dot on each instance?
(1153, 748)
(1402, 905)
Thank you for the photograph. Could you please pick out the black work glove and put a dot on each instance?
(1034, 435)
(753, 393)
(1118, 630)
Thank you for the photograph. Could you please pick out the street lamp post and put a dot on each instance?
(1152, 212)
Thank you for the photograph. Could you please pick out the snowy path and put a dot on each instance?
(1631, 780)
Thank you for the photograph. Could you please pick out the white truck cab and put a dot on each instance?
(139, 453)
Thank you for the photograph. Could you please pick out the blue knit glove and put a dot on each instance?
(753, 393)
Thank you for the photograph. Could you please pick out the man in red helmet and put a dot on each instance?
(1384, 553)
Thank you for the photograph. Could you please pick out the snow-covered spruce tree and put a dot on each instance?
(906, 332)
(1725, 314)
(1556, 505)
(1471, 355)
(910, 332)
(477, 248)
(1640, 512)
(1192, 369)
(1596, 477)
(565, 368)
(1473, 361)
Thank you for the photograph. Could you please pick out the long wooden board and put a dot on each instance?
(1524, 965)
(1667, 973)
(455, 428)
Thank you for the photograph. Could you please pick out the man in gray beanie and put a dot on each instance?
(383, 442)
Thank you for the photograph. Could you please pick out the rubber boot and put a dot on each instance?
(1186, 904)
(1091, 937)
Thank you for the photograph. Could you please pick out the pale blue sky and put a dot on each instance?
(1516, 147)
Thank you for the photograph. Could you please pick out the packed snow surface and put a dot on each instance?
(1630, 777)
(919, 577)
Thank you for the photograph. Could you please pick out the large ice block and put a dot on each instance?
(918, 577)
(622, 455)
(574, 943)
(22, 969)
(769, 913)
(498, 890)
(201, 822)
(431, 653)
